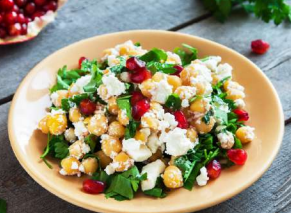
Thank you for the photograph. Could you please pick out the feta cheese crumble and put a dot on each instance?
(113, 85)
(80, 129)
(161, 91)
(80, 83)
(136, 149)
(226, 139)
(202, 178)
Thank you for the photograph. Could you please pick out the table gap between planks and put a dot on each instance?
(87, 18)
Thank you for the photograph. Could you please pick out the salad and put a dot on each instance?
(153, 120)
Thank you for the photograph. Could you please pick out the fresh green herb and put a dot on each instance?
(131, 129)
(137, 44)
(186, 58)
(68, 103)
(237, 143)
(156, 55)
(3, 206)
(129, 88)
(197, 97)
(124, 104)
(91, 140)
(120, 67)
(96, 76)
(173, 102)
(154, 67)
(158, 190)
(102, 176)
(267, 10)
(207, 116)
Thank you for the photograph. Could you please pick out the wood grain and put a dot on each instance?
(82, 19)
(238, 32)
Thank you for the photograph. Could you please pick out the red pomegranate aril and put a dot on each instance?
(15, 29)
(30, 8)
(140, 75)
(140, 108)
(259, 46)
(3, 33)
(1, 18)
(135, 97)
(181, 119)
(52, 5)
(21, 3)
(213, 169)
(7, 5)
(21, 19)
(133, 63)
(37, 14)
(241, 114)
(93, 186)
(237, 156)
(15, 8)
(39, 2)
(10, 18)
(23, 29)
(87, 107)
(81, 59)
(179, 69)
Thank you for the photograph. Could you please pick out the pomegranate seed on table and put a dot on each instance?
(133, 64)
(81, 59)
(87, 107)
(20, 3)
(7, 5)
(213, 169)
(135, 97)
(140, 75)
(140, 108)
(10, 18)
(93, 186)
(259, 46)
(237, 156)
(179, 69)
(30, 8)
(241, 114)
(181, 119)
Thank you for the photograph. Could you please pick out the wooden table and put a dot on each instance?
(81, 19)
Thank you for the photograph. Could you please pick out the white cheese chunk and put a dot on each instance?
(113, 85)
(161, 91)
(136, 149)
(202, 178)
(226, 139)
(153, 142)
(80, 83)
(239, 103)
(223, 71)
(211, 62)
(80, 129)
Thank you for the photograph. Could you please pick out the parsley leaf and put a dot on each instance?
(131, 129)
(173, 102)
(68, 103)
(124, 104)
(96, 76)
(158, 190)
(154, 67)
(3, 206)
(157, 55)
(91, 140)
(120, 67)
(186, 58)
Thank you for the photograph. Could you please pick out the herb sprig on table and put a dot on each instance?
(267, 10)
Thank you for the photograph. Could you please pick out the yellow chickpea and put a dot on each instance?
(103, 92)
(200, 87)
(228, 85)
(87, 121)
(74, 114)
(215, 79)
(156, 156)
(155, 106)
(112, 106)
(158, 76)
(202, 127)
(142, 134)
(42, 125)
(150, 122)
(192, 134)
(245, 134)
(75, 150)
(58, 96)
(173, 177)
(98, 124)
(186, 75)
(124, 162)
(116, 129)
(146, 87)
(57, 124)
(122, 117)
(104, 160)
(90, 165)
(199, 105)
(234, 94)
(175, 81)
(70, 166)
(110, 145)
(70, 135)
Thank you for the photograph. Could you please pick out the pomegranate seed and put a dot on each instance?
(39, 2)
(133, 63)
(21, 3)
(135, 97)
(37, 14)
(1, 18)
(10, 18)
(140, 108)
(213, 169)
(140, 75)
(238, 156)
(51, 6)
(179, 69)
(23, 29)
(93, 186)
(87, 107)
(241, 114)
(15, 29)
(3, 33)
(81, 61)
(7, 5)
(259, 46)
(30, 8)
(181, 119)
(21, 19)
(16, 8)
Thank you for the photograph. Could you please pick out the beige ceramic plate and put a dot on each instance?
(31, 99)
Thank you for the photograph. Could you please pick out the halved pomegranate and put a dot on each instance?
(22, 20)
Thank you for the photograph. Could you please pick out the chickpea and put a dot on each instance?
(200, 87)
(103, 92)
(124, 162)
(156, 156)
(104, 160)
(87, 121)
(98, 124)
(75, 150)
(58, 96)
(142, 134)
(158, 76)
(70, 166)
(150, 122)
(90, 165)
(245, 134)
(112, 105)
(185, 92)
(57, 124)
(122, 117)
(42, 125)
(234, 94)
(215, 79)
(175, 81)
(199, 105)
(116, 129)
(146, 87)
(70, 135)
(192, 134)
(202, 127)
(74, 114)
(173, 177)
(186, 75)
(155, 106)
(110, 145)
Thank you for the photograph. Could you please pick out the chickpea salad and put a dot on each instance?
(148, 120)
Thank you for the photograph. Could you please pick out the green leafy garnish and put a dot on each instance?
(131, 129)
(3, 206)
(154, 67)
(91, 140)
(158, 190)
(173, 102)
(120, 67)
(124, 104)
(207, 116)
(68, 103)
(155, 54)
(186, 58)
(96, 76)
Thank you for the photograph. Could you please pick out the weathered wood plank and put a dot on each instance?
(238, 32)
(82, 19)
(23, 194)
